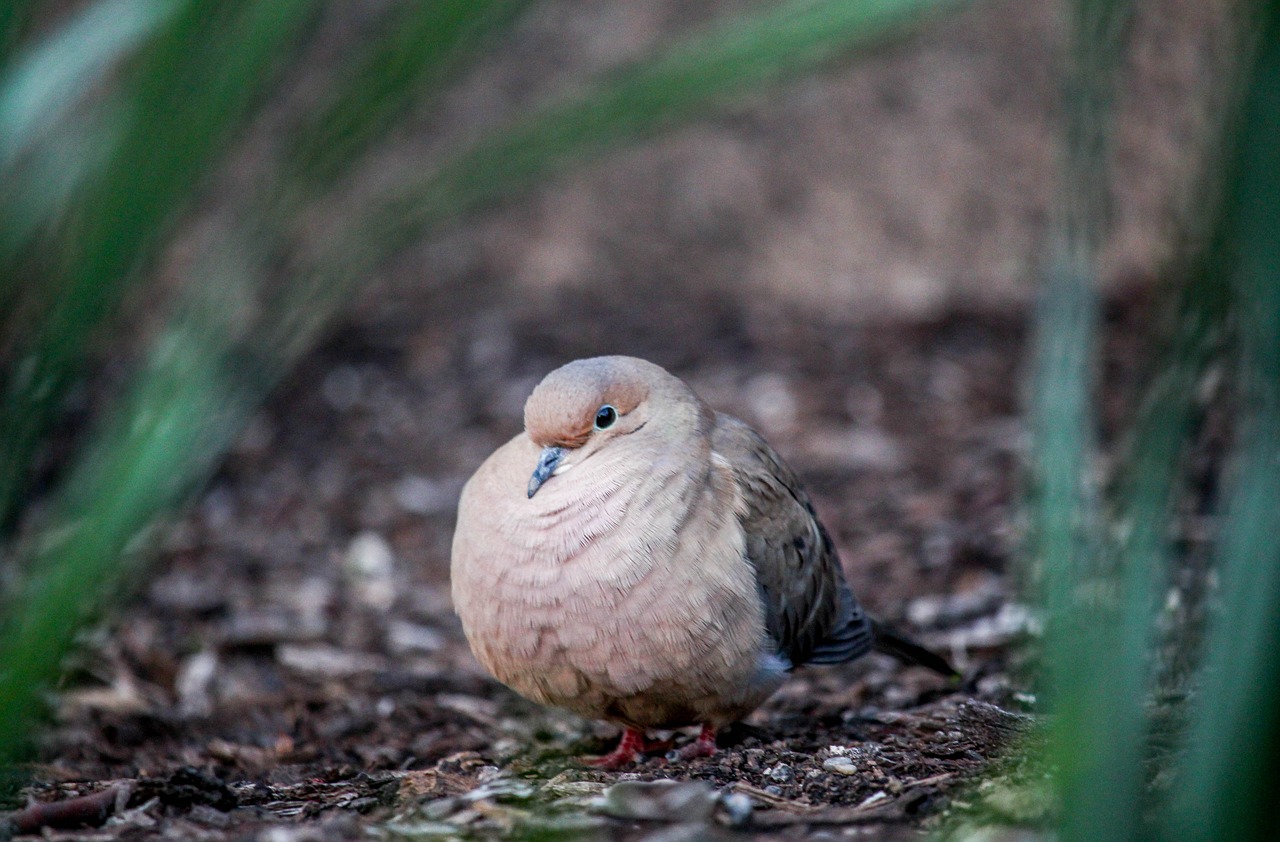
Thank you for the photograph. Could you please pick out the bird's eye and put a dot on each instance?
(605, 416)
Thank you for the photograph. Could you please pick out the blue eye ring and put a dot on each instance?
(605, 417)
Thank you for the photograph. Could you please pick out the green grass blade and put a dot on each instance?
(191, 87)
(1066, 520)
(159, 445)
(51, 139)
(424, 44)
(1232, 763)
(1099, 619)
(48, 81)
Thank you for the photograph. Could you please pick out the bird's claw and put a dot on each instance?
(629, 751)
(703, 746)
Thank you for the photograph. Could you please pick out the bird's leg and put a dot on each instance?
(633, 742)
(651, 746)
(703, 746)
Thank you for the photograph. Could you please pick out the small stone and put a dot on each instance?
(782, 773)
(841, 765)
(194, 683)
(772, 401)
(370, 564)
(329, 661)
(873, 799)
(369, 556)
(403, 636)
(737, 808)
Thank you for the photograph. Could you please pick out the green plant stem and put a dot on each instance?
(1099, 620)
(1233, 757)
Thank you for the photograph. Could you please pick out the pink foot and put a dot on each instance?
(703, 746)
(628, 751)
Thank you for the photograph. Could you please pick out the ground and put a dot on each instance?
(294, 670)
(847, 267)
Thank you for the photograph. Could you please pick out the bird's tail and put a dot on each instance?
(890, 642)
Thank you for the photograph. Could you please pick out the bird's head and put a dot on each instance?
(591, 404)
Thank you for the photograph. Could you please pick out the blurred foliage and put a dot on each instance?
(111, 123)
(1103, 560)
(1098, 726)
(1232, 766)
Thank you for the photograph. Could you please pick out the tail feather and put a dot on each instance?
(890, 642)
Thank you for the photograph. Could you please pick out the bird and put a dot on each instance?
(637, 557)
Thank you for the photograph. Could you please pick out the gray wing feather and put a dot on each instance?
(810, 613)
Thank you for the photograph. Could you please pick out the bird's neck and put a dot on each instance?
(650, 494)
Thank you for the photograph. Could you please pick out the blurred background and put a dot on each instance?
(996, 277)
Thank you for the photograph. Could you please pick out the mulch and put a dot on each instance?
(292, 668)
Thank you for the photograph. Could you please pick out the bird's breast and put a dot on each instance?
(616, 588)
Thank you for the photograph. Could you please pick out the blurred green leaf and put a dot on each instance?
(51, 79)
(191, 87)
(52, 135)
(1232, 765)
(1099, 602)
(157, 447)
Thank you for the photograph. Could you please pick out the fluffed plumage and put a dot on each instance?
(637, 557)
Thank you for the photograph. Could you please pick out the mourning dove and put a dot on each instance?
(637, 557)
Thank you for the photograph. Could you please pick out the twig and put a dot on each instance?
(82, 811)
(929, 781)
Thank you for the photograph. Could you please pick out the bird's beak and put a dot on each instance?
(547, 464)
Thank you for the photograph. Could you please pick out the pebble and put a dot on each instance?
(737, 808)
(840, 765)
(782, 773)
(369, 556)
(403, 636)
(874, 798)
(194, 683)
(370, 564)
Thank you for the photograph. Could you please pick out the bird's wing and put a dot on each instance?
(809, 610)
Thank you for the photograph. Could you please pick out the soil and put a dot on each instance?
(294, 669)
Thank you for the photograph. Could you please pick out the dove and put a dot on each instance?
(635, 556)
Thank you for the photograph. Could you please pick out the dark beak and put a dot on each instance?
(547, 464)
